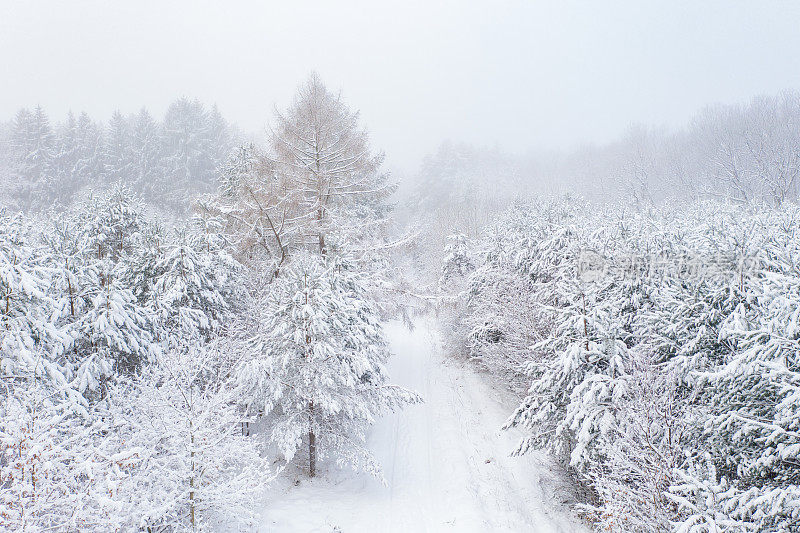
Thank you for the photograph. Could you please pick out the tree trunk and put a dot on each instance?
(312, 454)
(312, 445)
(585, 322)
(191, 479)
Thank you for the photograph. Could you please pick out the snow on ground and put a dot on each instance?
(446, 462)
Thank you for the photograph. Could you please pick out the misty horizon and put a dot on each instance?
(420, 74)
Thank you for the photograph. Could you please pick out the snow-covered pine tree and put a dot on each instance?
(239, 166)
(220, 141)
(22, 132)
(457, 261)
(118, 156)
(33, 140)
(186, 162)
(583, 367)
(65, 157)
(141, 268)
(145, 154)
(114, 223)
(89, 166)
(71, 265)
(30, 343)
(48, 462)
(318, 364)
(753, 426)
(116, 326)
(194, 288)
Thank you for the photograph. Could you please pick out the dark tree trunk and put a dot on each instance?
(312, 444)
(312, 454)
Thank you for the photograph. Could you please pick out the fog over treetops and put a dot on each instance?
(521, 75)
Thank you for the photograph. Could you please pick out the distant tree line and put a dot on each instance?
(164, 162)
(748, 152)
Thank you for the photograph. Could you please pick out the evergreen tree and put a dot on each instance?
(64, 159)
(220, 140)
(116, 326)
(318, 368)
(89, 167)
(146, 154)
(30, 344)
(186, 165)
(118, 144)
(34, 143)
(457, 263)
(194, 287)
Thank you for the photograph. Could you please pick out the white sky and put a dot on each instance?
(518, 74)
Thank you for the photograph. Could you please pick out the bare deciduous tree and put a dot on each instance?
(318, 175)
(319, 146)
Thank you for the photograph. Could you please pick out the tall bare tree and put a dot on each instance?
(320, 146)
(317, 176)
(258, 207)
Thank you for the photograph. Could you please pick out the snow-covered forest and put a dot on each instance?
(656, 351)
(164, 372)
(149, 370)
(309, 311)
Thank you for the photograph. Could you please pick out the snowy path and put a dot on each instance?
(446, 462)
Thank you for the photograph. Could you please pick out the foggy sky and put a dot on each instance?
(517, 74)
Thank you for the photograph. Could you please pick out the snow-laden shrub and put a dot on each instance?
(187, 465)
